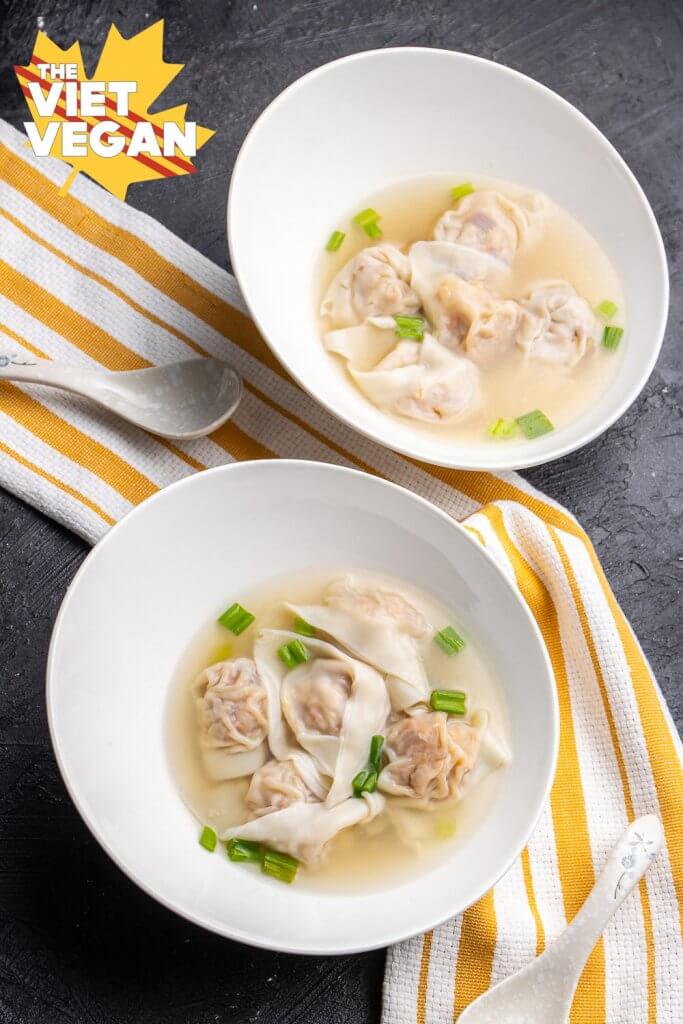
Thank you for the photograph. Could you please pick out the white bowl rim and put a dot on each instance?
(227, 931)
(460, 462)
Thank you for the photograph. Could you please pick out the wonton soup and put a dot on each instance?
(336, 729)
(483, 309)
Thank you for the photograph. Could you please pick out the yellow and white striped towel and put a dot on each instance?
(86, 279)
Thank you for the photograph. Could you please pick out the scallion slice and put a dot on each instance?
(294, 653)
(606, 309)
(365, 217)
(365, 782)
(459, 191)
(280, 866)
(368, 220)
(449, 641)
(502, 428)
(412, 327)
(376, 745)
(534, 424)
(236, 619)
(244, 850)
(611, 336)
(208, 839)
(302, 627)
(335, 240)
(453, 702)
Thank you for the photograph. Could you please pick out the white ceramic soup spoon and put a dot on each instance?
(542, 992)
(180, 400)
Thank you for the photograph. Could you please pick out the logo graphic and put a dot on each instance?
(102, 125)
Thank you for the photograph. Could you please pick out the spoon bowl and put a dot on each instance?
(179, 400)
(543, 991)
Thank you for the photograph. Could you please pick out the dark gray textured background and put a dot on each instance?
(78, 942)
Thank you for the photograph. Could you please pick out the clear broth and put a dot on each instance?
(359, 858)
(563, 249)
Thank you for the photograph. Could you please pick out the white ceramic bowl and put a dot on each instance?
(350, 128)
(167, 569)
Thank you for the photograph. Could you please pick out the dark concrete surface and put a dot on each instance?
(78, 942)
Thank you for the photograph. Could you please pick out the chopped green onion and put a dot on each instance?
(453, 702)
(368, 220)
(335, 240)
(280, 866)
(365, 782)
(449, 641)
(365, 217)
(606, 309)
(294, 653)
(303, 627)
(412, 327)
(534, 424)
(502, 428)
(360, 780)
(208, 839)
(244, 850)
(376, 744)
(236, 619)
(459, 191)
(611, 336)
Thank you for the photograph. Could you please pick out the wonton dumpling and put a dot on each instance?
(278, 784)
(431, 755)
(352, 595)
(422, 380)
(431, 262)
(490, 222)
(303, 829)
(332, 706)
(494, 331)
(557, 325)
(467, 317)
(233, 718)
(375, 282)
(381, 642)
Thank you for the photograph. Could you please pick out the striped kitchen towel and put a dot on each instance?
(88, 280)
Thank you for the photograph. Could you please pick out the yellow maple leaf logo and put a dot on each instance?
(145, 152)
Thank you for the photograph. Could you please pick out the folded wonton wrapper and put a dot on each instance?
(363, 597)
(331, 706)
(422, 380)
(303, 830)
(379, 643)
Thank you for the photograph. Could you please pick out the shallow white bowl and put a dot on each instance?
(350, 128)
(166, 570)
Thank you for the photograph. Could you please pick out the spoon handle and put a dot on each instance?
(44, 371)
(626, 865)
